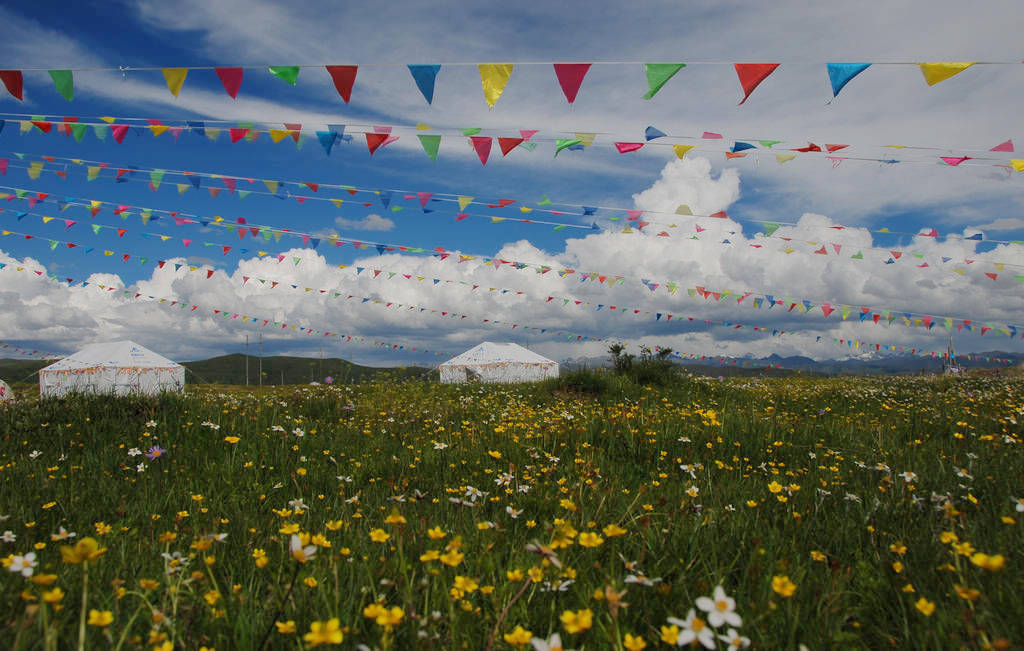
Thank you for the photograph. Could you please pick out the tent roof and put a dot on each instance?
(490, 353)
(113, 354)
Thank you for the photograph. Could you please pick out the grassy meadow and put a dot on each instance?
(832, 513)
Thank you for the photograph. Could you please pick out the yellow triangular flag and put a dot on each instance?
(337, 204)
(175, 78)
(524, 209)
(277, 135)
(586, 139)
(494, 77)
(896, 146)
(495, 220)
(423, 127)
(47, 220)
(782, 158)
(682, 150)
(464, 201)
(1000, 266)
(182, 187)
(108, 120)
(76, 161)
(158, 129)
(26, 126)
(939, 72)
(1017, 164)
(683, 209)
(271, 185)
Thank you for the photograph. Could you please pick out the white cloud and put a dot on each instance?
(371, 222)
(1004, 224)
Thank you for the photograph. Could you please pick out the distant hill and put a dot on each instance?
(230, 369)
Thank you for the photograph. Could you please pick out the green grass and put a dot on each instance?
(575, 463)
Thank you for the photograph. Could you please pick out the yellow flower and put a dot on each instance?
(53, 596)
(334, 525)
(232, 439)
(925, 606)
(515, 575)
(494, 454)
(897, 567)
(260, 557)
(898, 548)
(670, 634)
(379, 535)
(148, 584)
(212, 597)
(102, 528)
(310, 582)
(775, 487)
(948, 537)
(970, 594)
(634, 642)
(289, 528)
(452, 558)
(590, 539)
(613, 530)
(536, 574)
(320, 540)
(519, 637)
(990, 563)
(395, 518)
(168, 536)
(436, 533)
(751, 504)
(285, 628)
(909, 588)
(465, 584)
(430, 555)
(818, 556)
(577, 622)
(783, 586)
(86, 549)
(328, 632)
(100, 618)
(373, 611)
(568, 504)
(389, 617)
(964, 549)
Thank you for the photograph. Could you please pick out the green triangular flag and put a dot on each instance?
(285, 73)
(96, 228)
(100, 130)
(65, 83)
(146, 213)
(471, 131)
(155, 177)
(242, 194)
(544, 201)
(770, 227)
(78, 131)
(658, 74)
(562, 143)
(430, 144)
(769, 143)
(857, 256)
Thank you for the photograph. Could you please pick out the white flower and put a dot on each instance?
(345, 478)
(62, 534)
(140, 468)
(217, 537)
(1020, 504)
(640, 579)
(474, 493)
(684, 439)
(33, 454)
(298, 432)
(504, 479)
(909, 477)
(513, 513)
(23, 565)
(151, 423)
(134, 452)
(298, 505)
(693, 628)
(524, 488)
(8, 536)
(735, 640)
(851, 497)
(276, 428)
(553, 643)
(689, 467)
(175, 562)
(300, 553)
(721, 609)
(440, 446)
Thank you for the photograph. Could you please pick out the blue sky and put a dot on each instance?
(888, 104)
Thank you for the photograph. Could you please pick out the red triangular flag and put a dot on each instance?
(229, 183)
(570, 78)
(13, 81)
(232, 80)
(315, 187)
(424, 197)
(374, 141)
(752, 74)
(344, 77)
(295, 128)
(832, 148)
(626, 147)
(119, 131)
(238, 134)
(1003, 146)
(508, 144)
(482, 145)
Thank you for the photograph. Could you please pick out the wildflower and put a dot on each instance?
(86, 549)
(494, 454)
(310, 582)
(328, 632)
(783, 586)
(590, 539)
(298, 505)
(285, 628)
(102, 528)
(513, 513)
(735, 640)
(613, 530)
(693, 491)
(212, 597)
(134, 452)
(140, 468)
(908, 476)
(23, 565)
(515, 575)
(897, 567)
(333, 525)
(232, 439)
(519, 637)
(634, 642)
(670, 634)
(34, 454)
(101, 618)
(964, 549)
(53, 596)
(389, 617)
(947, 537)
(969, 594)
(430, 555)
(990, 563)
(694, 628)
(536, 574)
(925, 606)
(898, 548)
(640, 579)
(1019, 504)
(818, 556)
(155, 452)
(452, 557)
(395, 518)
(148, 584)
(577, 622)
(379, 535)
(436, 533)
(8, 536)
(775, 487)
(299, 550)
(721, 609)
(553, 643)
(465, 584)
(440, 446)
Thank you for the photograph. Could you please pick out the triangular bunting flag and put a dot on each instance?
(935, 73)
(658, 74)
(425, 77)
(570, 78)
(482, 145)
(288, 74)
(1003, 146)
(493, 78)
(14, 82)
(430, 144)
(374, 141)
(508, 144)
(682, 150)
(343, 77)
(751, 75)
(232, 80)
(840, 74)
(175, 79)
(626, 147)
(64, 82)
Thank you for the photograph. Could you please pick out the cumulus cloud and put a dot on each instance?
(1004, 224)
(372, 222)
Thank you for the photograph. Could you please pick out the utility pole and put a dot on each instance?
(261, 359)
(246, 360)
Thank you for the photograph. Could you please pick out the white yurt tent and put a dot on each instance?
(6, 395)
(491, 362)
(118, 368)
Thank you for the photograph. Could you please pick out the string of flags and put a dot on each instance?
(364, 300)
(494, 77)
(888, 256)
(527, 139)
(865, 314)
(9, 347)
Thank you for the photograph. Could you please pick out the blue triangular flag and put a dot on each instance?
(327, 139)
(741, 146)
(2, 123)
(651, 133)
(976, 236)
(197, 127)
(195, 180)
(424, 77)
(588, 210)
(841, 73)
(337, 128)
(381, 249)
(385, 197)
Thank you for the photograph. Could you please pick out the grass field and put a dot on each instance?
(834, 513)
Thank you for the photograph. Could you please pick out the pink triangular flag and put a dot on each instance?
(482, 145)
(232, 80)
(119, 131)
(710, 135)
(570, 78)
(752, 74)
(634, 214)
(424, 197)
(1004, 146)
(528, 133)
(954, 160)
(626, 147)
(229, 183)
